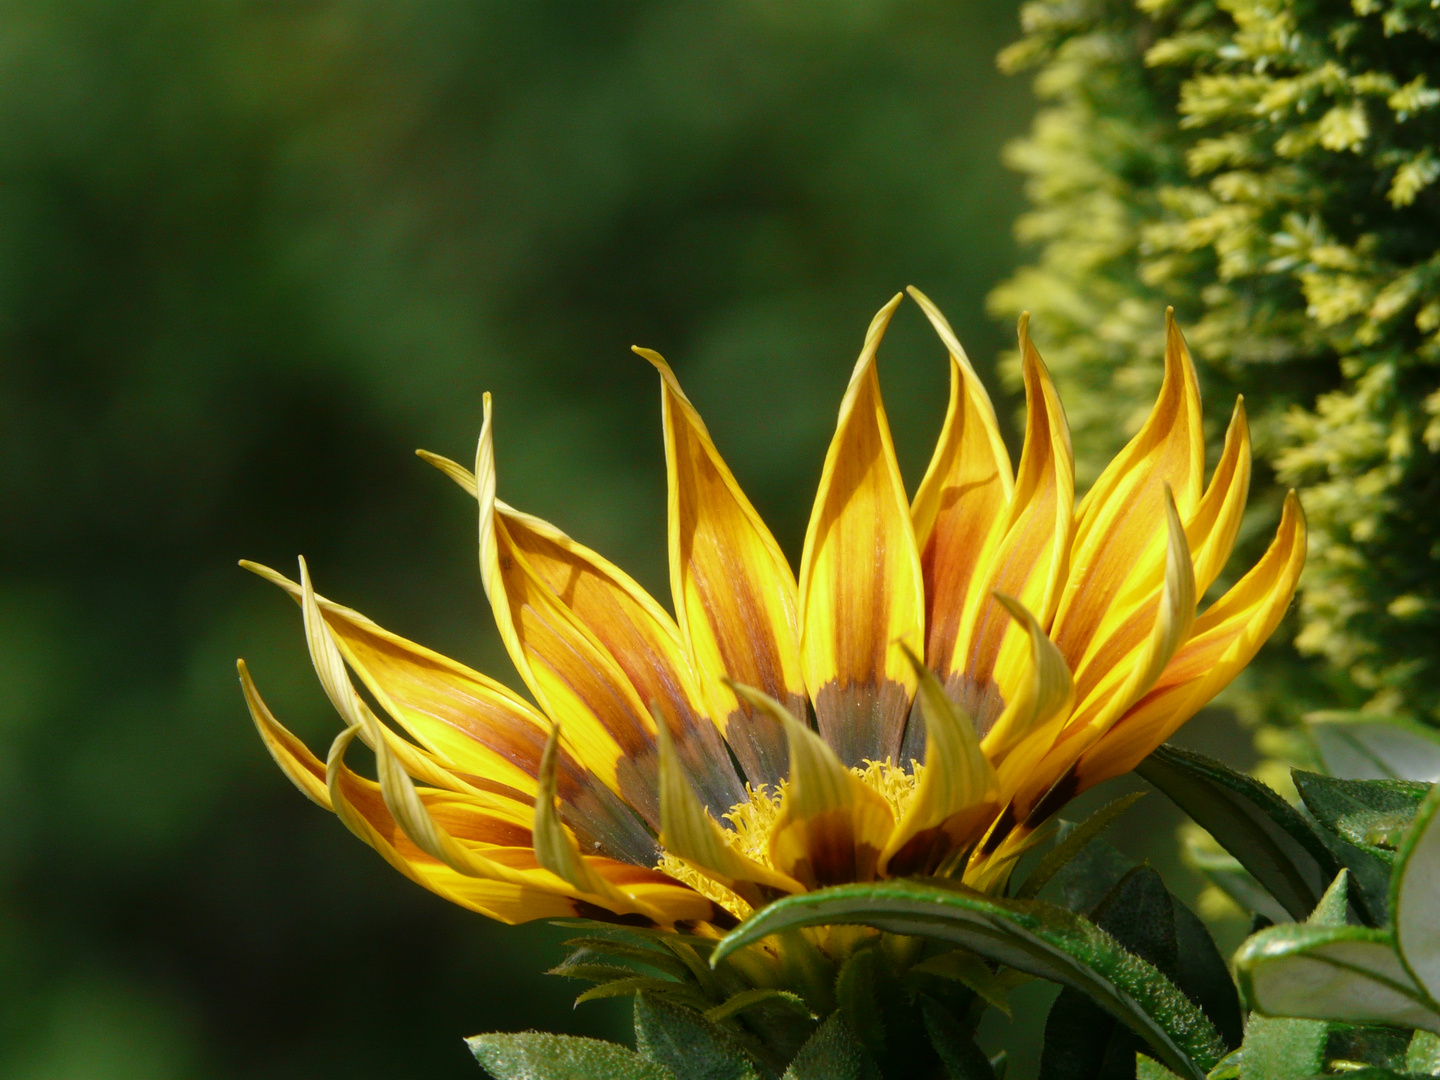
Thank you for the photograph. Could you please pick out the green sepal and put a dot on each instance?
(1071, 842)
(859, 1005)
(688, 1044)
(1147, 1068)
(954, 1044)
(746, 1000)
(1268, 836)
(1029, 935)
(964, 967)
(536, 1055)
(833, 1053)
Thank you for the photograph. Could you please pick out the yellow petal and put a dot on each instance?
(1223, 641)
(1131, 678)
(960, 504)
(1029, 557)
(305, 770)
(832, 827)
(734, 592)
(689, 832)
(955, 796)
(1117, 559)
(636, 631)
(862, 597)
(578, 684)
(1211, 531)
(557, 851)
(475, 727)
(358, 804)
(1037, 712)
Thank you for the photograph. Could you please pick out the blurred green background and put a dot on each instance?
(251, 256)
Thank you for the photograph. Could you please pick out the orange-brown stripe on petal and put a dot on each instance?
(579, 685)
(1029, 557)
(644, 642)
(475, 726)
(1225, 639)
(862, 596)
(1117, 559)
(733, 590)
(960, 502)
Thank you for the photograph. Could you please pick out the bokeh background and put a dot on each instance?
(251, 256)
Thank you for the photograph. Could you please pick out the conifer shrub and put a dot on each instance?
(1270, 168)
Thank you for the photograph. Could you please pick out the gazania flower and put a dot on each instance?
(944, 674)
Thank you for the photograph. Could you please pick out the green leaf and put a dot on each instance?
(1147, 1068)
(1423, 1054)
(749, 999)
(536, 1055)
(1271, 839)
(641, 984)
(1205, 977)
(1073, 842)
(964, 967)
(1374, 748)
(1283, 1049)
(596, 973)
(832, 1053)
(592, 949)
(1348, 973)
(1029, 935)
(686, 1043)
(1415, 898)
(1371, 814)
(955, 1046)
(855, 992)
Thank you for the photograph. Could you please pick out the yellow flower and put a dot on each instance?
(1021, 647)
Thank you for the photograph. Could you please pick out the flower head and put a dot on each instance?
(942, 677)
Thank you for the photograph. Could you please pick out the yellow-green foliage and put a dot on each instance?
(1268, 167)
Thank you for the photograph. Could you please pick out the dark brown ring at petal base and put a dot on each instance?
(863, 721)
(833, 856)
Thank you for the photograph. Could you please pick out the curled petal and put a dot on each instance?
(734, 593)
(1211, 531)
(305, 770)
(482, 735)
(1224, 640)
(1129, 681)
(955, 796)
(556, 850)
(832, 827)
(862, 596)
(1117, 560)
(690, 833)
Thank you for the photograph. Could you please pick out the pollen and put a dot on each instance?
(751, 822)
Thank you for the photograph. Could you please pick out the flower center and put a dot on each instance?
(750, 824)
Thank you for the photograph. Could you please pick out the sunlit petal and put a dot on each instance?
(862, 598)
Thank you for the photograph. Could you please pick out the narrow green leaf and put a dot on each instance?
(598, 973)
(1283, 1049)
(1073, 842)
(593, 949)
(535, 1055)
(749, 999)
(955, 1046)
(642, 984)
(1029, 935)
(1084, 1042)
(1205, 977)
(1271, 839)
(1415, 896)
(1229, 1067)
(959, 965)
(832, 1053)
(686, 1043)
